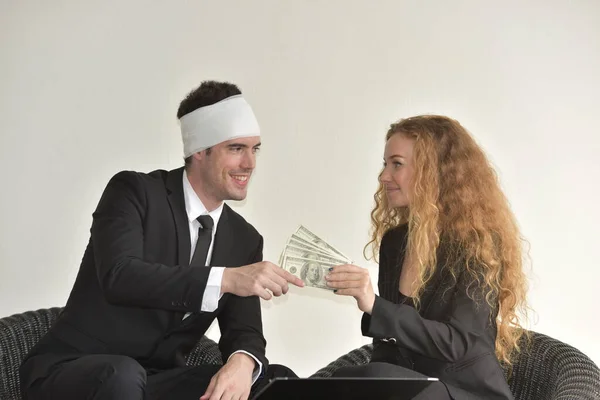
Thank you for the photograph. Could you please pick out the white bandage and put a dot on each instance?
(227, 119)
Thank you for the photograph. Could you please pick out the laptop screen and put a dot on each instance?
(343, 388)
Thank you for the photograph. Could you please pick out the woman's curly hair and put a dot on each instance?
(456, 200)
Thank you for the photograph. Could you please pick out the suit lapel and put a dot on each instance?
(438, 283)
(224, 238)
(430, 292)
(398, 263)
(177, 204)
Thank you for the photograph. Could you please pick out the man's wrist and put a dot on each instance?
(225, 281)
(244, 360)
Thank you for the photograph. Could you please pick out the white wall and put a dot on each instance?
(88, 88)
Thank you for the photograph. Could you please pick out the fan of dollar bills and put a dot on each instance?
(309, 257)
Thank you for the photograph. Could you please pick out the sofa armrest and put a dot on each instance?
(18, 334)
(206, 352)
(359, 356)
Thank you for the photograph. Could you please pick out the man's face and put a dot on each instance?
(226, 169)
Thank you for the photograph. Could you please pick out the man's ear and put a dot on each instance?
(199, 156)
(202, 154)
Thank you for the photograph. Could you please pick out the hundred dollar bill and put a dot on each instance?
(280, 258)
(320, 248)
(308, 254)
(312, 272)
(300, 243)
(305, 233)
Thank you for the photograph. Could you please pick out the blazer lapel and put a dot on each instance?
(435, 284)
(430, 293)
(438, 283)
(177, 203)
(222, 255)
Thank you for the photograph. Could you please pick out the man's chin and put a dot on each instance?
(237, 196)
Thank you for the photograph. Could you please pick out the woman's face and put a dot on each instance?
(398, 170)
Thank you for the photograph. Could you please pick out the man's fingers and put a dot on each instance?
(276, 284)
(263, 293)
(217, 394)
(209, 390)
(231, 394)
(226, 395)
(291, 278)
(281, 283)
(274, 287)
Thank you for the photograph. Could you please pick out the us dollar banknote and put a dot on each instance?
(312, 272)
(309, 257)
(312, 238)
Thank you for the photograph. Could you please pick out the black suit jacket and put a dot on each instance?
(135, 283)
(451, 336)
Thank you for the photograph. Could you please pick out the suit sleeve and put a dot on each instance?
(448, 339)
(240, 322)
(117, 236)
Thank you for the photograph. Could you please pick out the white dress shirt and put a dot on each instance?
(212, 294)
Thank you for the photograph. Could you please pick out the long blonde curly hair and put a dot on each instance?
(457, 200)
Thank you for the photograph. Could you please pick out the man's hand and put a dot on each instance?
(255, 279)
(350, 280)
(233, 381)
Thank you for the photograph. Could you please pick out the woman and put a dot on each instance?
(451, 281)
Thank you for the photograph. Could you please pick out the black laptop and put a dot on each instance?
(343, 388)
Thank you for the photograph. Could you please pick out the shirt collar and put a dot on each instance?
(193, 205)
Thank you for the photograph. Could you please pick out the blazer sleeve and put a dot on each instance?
(447, 339)
(240, 322)
(117, 237)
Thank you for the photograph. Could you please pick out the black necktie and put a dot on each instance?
(204, 239)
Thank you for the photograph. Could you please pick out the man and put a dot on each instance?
(165, 258)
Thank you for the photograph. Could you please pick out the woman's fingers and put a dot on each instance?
(345, 284)
(347, 292)
(344, 276)
(345, 268)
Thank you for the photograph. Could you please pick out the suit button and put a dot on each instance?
(389, 340)
(185, 303)
(173, 303)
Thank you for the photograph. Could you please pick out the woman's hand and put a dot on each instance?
(351, 280)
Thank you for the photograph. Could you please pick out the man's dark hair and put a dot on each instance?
(208, 93)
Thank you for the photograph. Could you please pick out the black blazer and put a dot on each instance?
(135, 283)
(451, 337)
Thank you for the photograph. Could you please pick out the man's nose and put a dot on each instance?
(249, 160)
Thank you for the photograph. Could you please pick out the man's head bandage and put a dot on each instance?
(230, 118)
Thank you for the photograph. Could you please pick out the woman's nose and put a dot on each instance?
(384, 176)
